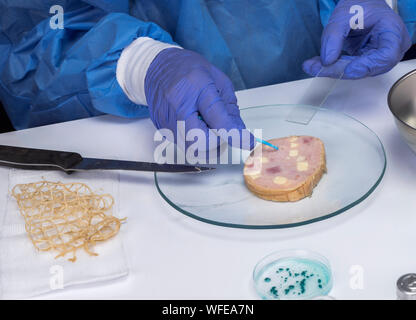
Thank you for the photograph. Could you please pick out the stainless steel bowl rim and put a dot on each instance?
(396, 84)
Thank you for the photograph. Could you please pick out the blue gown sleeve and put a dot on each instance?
(326, 7)
(405, 8)
(54, 75)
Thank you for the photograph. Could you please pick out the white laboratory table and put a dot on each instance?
(172, 256)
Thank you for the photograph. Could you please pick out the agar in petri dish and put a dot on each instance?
(292, 275)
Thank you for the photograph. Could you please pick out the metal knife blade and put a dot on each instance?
(38, 159)
(105, 164)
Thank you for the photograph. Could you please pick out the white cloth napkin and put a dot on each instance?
(26, 272)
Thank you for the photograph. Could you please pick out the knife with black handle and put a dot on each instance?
(38, 159)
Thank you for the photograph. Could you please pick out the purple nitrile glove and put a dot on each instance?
(181, 85)
(373, 50)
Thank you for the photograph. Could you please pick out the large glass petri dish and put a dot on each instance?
(356, 163)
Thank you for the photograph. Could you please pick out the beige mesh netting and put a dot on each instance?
(65, 217)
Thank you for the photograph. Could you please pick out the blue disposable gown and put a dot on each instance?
(53, 75)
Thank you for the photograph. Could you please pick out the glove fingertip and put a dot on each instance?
(312, 66)
(330, 57)
(332, 43)
(306, 66)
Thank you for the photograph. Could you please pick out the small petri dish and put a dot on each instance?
(292, 275)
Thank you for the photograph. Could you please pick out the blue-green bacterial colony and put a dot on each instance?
(293, 278)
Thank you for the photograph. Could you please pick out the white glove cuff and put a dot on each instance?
(133, 64)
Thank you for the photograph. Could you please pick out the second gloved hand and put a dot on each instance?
(374, 49)
(181, 85)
